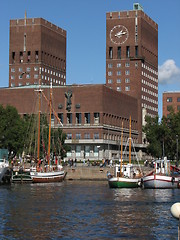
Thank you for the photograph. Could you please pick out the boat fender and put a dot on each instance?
(173, 180)
(175, 210)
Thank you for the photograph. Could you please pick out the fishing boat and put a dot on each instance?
(46, 173)
(125, 176)
(162, 176)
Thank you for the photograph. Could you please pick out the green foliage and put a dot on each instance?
(12, 128)
(19, 135)
(162, 136)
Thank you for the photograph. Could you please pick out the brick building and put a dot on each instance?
(92, 119)
(36, 44)
(92, 115)
(132, 58)
(171, 100)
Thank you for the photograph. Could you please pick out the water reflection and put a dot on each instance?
(85, 210)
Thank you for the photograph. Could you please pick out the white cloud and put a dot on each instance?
(168, 72)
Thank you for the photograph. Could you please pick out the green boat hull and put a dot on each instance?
(123, 183)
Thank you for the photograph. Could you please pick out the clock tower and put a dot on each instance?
(132, 57)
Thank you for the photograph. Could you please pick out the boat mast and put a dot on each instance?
(130, 141)
(50, 107)
(121, 146)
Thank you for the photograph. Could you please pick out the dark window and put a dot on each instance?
(178, 107)
(78, 136)
(69, 118)
(119, 53)
(110, 52)
(60, 116)
(127, 51)
(87, 118)
(36, 56)
(69, 136)
(13, 57)
(87, 136)
(78, 118)
(29, 56)
(21, 57)
(169, 99)
(178, 99)
(136, 51)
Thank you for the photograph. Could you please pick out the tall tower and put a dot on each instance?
(132, 57)
(37, 50)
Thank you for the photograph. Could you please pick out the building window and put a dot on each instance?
(87, 151)
(169, 99)
(118, 65)
(96, 118)
(119, 89)
(29, 56)
(127, 88)
(127, 64)
(118, 80)
(178, 107)
(109, 73)
(178, 99)
(36, 69)
(20, 70)
(78, 136)
(28, 69)
(78, 118)
(35, 76)
(87, 118)
(12, 69)
(118, 73)
(127, 80)
(13, 57)
(110, 52)
(127, 72)
(69, 118)
(69, 136)
(109, 81)
(96, 135)
(119, 52)
(110, 65)
(21, 57)
(87, 136)
(136, 51)
(127, 51)
(60, 116)
(78, 150)
(28, 75)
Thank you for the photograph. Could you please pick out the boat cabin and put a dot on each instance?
(162, 166)
(125, 171)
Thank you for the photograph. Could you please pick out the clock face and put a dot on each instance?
(119, 34)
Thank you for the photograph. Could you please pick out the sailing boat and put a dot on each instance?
(48, 174)
(125, 176)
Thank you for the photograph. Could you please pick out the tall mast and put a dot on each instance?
(130, 141)
(50, 110)
(39, 117)
(121, 146)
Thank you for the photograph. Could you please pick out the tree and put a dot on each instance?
(12, 129)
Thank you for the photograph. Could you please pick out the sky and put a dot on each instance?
(85, 23)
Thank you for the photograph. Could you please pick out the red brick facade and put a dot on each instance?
(36, 44)
(171, 100)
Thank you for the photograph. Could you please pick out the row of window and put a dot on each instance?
(22, 55)
(149, 84)
(169, 99)
(149, 92)
(78, 116)
(119, 52)
(149, 69)
(149, 99)
(118, 73)
(79, 136)
(144, 105)
(118, 65)
(149, 77)
(110, 81)
(127, 88)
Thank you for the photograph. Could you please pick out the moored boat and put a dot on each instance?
(162, 176)
(127, 177)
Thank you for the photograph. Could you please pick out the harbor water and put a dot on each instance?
(86, 210)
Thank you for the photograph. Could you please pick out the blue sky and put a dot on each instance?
(85, 23)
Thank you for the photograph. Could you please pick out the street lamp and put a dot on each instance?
(176, 150)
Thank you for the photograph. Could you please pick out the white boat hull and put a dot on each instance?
(46, 177)
(161, 181)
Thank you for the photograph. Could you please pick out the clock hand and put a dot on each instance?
(119, 34)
